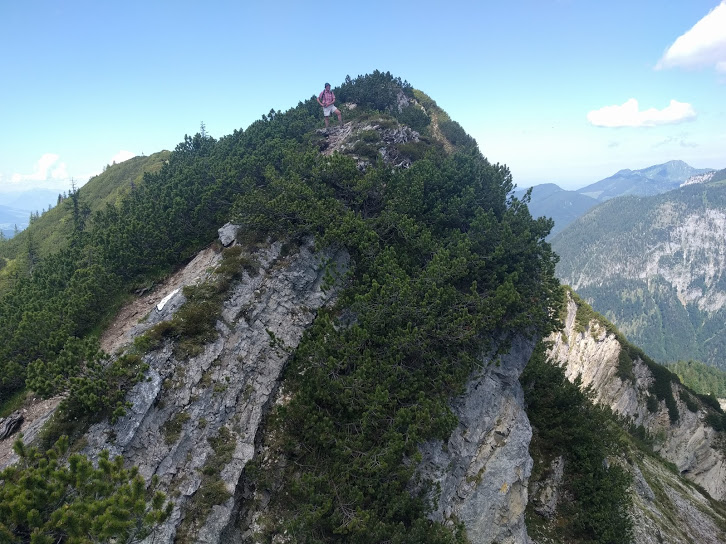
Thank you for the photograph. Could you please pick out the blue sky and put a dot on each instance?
(563, 91)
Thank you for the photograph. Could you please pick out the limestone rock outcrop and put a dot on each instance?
(193, 422)
(9, 425)
(689, 443)
(482, 472)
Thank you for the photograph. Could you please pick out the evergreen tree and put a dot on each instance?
(566, 423)
(32, 252)
(45, 499)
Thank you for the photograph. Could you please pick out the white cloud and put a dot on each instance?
(628, 115)
(121, 156)
(703, 45)
(47, 168)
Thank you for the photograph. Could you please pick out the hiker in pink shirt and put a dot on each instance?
(327, 100)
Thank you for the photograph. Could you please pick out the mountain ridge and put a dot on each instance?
(654, 266)
(648, 181)
(414, 290)
(565, 206)
(427, 222)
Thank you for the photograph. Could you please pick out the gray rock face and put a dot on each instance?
(667, 511)
(32, 420)
(11, 424)
(343, 139)
(689, 443)
(483, 470)
(546, 493)
(185, 407)
(228, 234)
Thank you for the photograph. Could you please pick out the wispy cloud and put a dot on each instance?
(703, 45)
(629, 115)
(47, 168)
(681, 140)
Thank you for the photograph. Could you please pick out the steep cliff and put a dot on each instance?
(593, 355)
(482, 471)
(478, 477)
(667, 508)
(193, 422)
(655, 267)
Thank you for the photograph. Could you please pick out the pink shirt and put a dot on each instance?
(326, 97)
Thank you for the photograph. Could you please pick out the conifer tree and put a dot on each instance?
(44, 499)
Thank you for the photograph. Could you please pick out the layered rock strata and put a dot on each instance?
(193, 422)
(481, 473)
(689, 443)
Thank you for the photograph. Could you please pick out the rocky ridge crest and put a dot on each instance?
(196, 423)
(193, 422)
(690, 443)
(666, 507)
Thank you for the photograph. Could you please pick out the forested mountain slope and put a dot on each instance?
(655, 267)
(446, 273)
(53, 229)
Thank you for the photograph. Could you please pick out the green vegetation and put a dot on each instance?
(446, 267)
(52, 230)
(172, 427)
(702, 378)
(44, 500)
(375, 91)
(12, 403)
(194, 324)
(444, 264)
(689, 401)
(719, 176)
(566, 423)
(662, 387)
(663, 379)
(94, 385)
(212, 489)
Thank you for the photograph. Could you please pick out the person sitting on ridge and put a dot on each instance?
(327, 100)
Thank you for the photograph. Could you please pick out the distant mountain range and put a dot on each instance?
(12, 217)
(550, 200)
(653, 180)
(16, 207)
(563, 206)
(33, 200)
(656, 267)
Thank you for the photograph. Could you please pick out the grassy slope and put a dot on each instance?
(51, 231)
